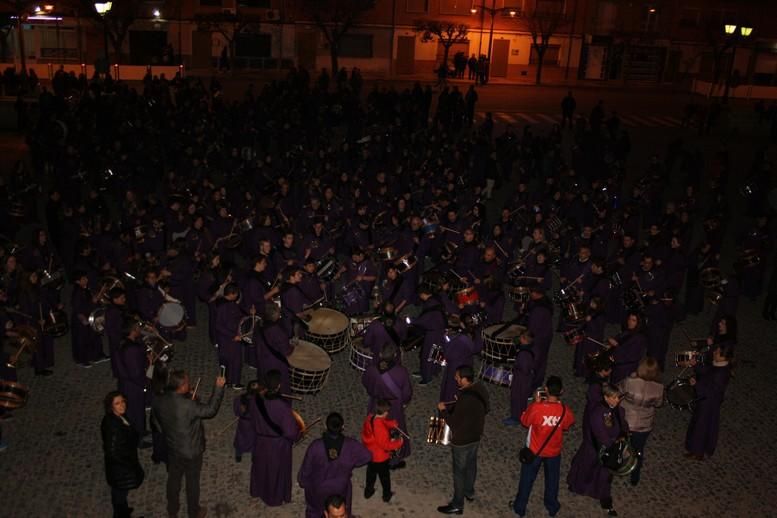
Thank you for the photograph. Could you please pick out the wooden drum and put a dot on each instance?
(308, 368)
(328, 329)
(361, 356)
(499, 342)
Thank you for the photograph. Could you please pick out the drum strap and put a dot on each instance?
(390, 384)
(263, 410)
(392, 333)
(558, 423)
(276, 354)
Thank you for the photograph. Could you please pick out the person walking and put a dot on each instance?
(547, 418)
(466, 420)
(178, 414)
(120, 448)
(642, 392)
(568, 106)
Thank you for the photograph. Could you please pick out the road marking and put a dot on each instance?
(636, 121)
(674, 121)
(660, 121)
(507, 117)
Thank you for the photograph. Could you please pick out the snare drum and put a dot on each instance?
(467, 297)
(497, 374)
(326, 268)
(436, 356)
(683, 358)
(13, 395)
(430, 226)
(352, 292)
(710, 278)
(574, 312)
(247, 326)
(501, 347)
(97, 320)
(680, 394)
(519, 294)
(574, 336)
(232, 240)
(615, 280)
(439, 431)
(54, 280)
(328, 329)
(308, 368)
(715, 295)
(387, 253)
(172, 315)
(405, 263)
(361, 356)
(554, 224)
(360, 323)
(433, 281)
(245, 225)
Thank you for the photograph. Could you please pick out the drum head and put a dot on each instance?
(507, 335)
(327, 321)
(681, 394)
(170, 314)
(309, 357)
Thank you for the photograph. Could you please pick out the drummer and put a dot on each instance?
(293, 300)
(540, 324)
(131, 371)
(361, 271)
(87, 344)
(114, 321)
(458, 348)
(311, 284)
(396, 289)
(273, 347)
(150, 297)
(180, 267)
(384, 330)
(227, 333)
(467, 255)
(432, 321)
(489, 279)
(522, 384)
(317, 244)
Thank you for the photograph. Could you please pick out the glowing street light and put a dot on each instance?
(156, 13)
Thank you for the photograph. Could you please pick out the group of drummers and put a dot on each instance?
(306, 255)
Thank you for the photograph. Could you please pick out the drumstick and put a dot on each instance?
(456, 274)
(229, 425)
(450, 230)
(501, 249)
(402, 432)
(305, 430)
(290, 396)
(196, 386)
(598, 342)
(579, 277)
(40, 310)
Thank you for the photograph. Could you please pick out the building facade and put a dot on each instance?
(662, 41)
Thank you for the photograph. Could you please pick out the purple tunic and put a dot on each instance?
(112, 330)
(322, 477)
(245, 436)
(587, 476)
(627, 354)
(150, 299)
(271, 461)
(460, 350)
(87, 345)
(594, 329)
(272, 350)
(702, 435)
(227, 321)
(523, 381)
(377, 335)
(394, 386)
(131, 371)
(432, 322)
(540, 324)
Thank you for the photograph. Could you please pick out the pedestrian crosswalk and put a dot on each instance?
(545, 119)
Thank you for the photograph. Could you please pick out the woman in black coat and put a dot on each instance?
(122, 468)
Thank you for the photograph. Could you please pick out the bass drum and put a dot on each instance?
(680, 394)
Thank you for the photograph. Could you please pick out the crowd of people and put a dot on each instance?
(307, 194)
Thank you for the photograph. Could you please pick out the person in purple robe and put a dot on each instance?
(311, 284)
(287, 255)
(150, 297)
(522, 385)
(458, 349)
(276, 432)
(114, 323)
(489, 279)
(131, 369)
(397, 288)
(86, 343)
(605, 424)
(254, 295)
(179, 269)
(273, 347)
(432, 322)
(360, 276)
(384, 330)
(467, 255)
(244, 407)
(600, 283)
(317, 244)
(540, 324)
(593, 329)
(709, 382)
(625, 264)
(629, 347)
(228, 316)
(35, 303)
(387, 379)
(328, 465)
(293, 301)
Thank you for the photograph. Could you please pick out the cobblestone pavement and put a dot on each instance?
(54, 466)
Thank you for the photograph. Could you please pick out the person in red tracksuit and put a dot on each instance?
(380, 435)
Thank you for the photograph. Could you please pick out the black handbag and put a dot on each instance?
(526, 456)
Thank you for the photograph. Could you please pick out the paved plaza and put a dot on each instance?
(54, 465)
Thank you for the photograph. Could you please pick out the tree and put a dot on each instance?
(335, 18)
(445, 32)
(116, 23)
(229, 25)
(542, 23)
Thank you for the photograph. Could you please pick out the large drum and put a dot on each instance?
(405, 263)
(172, 316)
(329, 329)
(497, 374)
(97, 319)
(13, 395)
(519, 294)
(499, 342)
(308, 368)
(680, 394)
(359, 323)
(467, 297)
(56, 323)
(434, 281)
(247, 326)
(361, 356)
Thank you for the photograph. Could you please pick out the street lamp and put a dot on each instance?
(103, 8)
(157, 13)
(731, 31)
(492, 11)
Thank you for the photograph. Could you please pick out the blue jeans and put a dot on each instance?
(529, 474)
(638, 441)
(465, 471)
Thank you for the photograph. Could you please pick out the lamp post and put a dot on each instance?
(731, 31)
(492, 11)
(102, 9)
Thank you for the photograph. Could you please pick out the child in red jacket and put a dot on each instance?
(380, 436)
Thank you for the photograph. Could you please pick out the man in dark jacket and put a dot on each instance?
(466, 420)
(180, 416)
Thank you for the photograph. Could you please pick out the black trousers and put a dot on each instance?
(119, 501)
(178, 468)
(379, 469)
